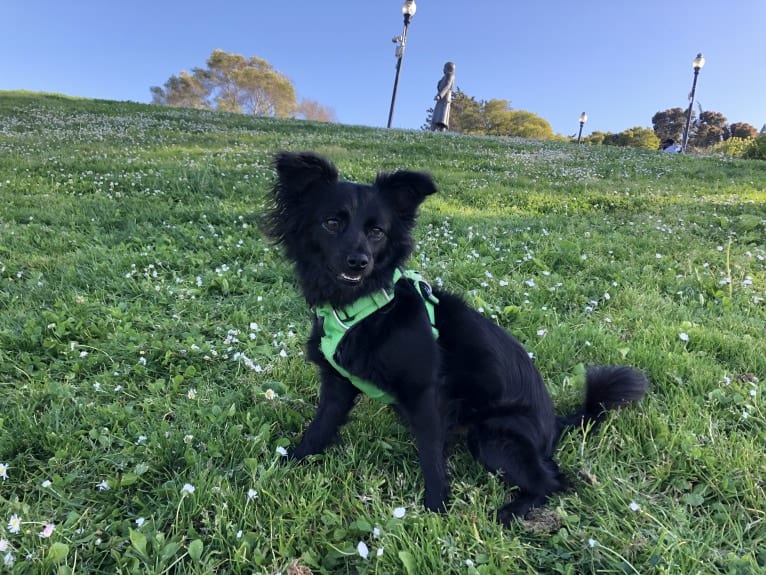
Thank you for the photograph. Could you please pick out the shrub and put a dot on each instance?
(757, 149)
(735, 147)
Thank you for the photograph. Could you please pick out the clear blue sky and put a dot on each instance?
(618, 60)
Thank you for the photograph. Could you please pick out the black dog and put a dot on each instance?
(443, 364)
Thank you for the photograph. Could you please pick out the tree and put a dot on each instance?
(465, 114)
(493, 117)
(637, 137)
(312, 110)
(182, 91)
(593, 138)
(742, 130)
(708, 130)
(233, 83)
(670, 124)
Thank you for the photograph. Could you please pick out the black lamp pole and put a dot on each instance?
(698, 62)
(583, 119)
(408, 10)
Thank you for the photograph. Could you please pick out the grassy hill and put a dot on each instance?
(152, 366)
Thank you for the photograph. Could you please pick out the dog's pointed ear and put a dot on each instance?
(405, 190)
(298, 171)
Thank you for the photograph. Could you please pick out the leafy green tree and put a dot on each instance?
(182, 91)
(493, 117)
(637, 137)
(231, 83)
(670, 123)
(742, 130)
(465, 114)
(593, 138)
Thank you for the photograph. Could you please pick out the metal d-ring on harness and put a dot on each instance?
(336, 322)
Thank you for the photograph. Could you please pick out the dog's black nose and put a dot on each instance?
(357, 261)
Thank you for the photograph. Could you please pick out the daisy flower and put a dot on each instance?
(191, 394)
(4, 471)
(187, 488)
(269, 394)
(47, 530)
(14, 524)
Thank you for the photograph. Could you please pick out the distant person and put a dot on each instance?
(669, 145)
(440, 117)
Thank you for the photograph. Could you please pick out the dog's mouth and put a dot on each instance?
(350, 278)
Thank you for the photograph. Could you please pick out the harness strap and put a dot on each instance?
(336, 322)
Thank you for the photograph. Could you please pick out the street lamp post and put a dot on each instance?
(698, 62)
(408, 10)
(583, 119)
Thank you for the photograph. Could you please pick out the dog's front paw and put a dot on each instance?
(437, 501)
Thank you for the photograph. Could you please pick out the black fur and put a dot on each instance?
(346, 240)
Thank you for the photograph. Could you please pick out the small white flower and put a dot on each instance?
(530, 283)
(187, 488)
(141, 439)
(634, 507)
(379, 552)
(4, 545)
(9, 560)
(14, 524)
(282, 451)
(745, 415)
(592, 542)
(47, 531)
(142, 360)
(607, 297)
(752, 393)
(683, 336)
(282, 353)
(399, 512)
(362, 549)
(502, 283)
(269, 394)
(47, 483)
(531, 355)
(376, 533)
(239, 534)
(252, 494)
(103, 486)
(4, 471)
(191, 394)
(542, 332)
(140, 521)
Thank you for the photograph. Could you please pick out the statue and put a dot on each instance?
(440, 117)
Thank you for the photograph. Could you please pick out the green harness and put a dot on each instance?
(336, 322)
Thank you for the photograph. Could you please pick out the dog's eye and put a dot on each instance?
(375, 234)
(332, 225)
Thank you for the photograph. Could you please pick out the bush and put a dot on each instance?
(757, 149)
(735, 147)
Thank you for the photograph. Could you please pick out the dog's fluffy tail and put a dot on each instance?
(606, 388)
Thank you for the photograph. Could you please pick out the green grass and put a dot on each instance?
(143, 318)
